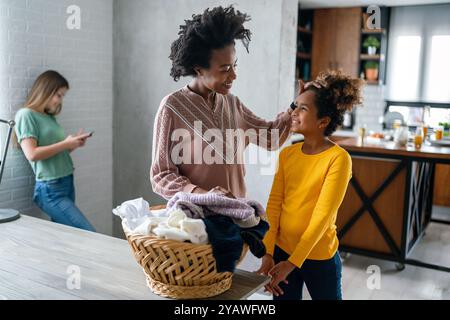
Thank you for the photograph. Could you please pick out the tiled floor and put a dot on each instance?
(411, 283)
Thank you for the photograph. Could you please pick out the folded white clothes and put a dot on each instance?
(137, 218)
(134, 212)
(181, 228)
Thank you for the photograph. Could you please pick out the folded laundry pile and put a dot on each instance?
(175, 225)
(213, 218)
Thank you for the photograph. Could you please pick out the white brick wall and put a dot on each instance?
(372, 109)
(34, 38)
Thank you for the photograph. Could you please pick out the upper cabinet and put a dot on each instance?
(339, 39)
(336, 40)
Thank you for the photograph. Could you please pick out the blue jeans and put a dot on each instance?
(322, 278)
(57, 199)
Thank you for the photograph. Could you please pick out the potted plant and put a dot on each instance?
(371, 69)
(446, 127)
(372, 44)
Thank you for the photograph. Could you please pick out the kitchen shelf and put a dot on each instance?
(381, 35)
(372, 82)
(303, 55)
(304, 43)
(369, 56)
(304, 30)
(373, 31)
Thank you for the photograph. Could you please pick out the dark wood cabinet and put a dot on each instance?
(441, 192)
(336, 40)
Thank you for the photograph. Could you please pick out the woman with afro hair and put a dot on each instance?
(309, 186)
(203, 113)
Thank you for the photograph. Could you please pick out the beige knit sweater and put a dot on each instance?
(192, 145)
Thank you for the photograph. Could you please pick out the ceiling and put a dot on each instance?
(312, 4)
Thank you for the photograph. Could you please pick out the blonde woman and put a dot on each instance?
(47, 149)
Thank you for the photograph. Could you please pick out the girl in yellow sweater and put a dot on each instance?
(308, 188)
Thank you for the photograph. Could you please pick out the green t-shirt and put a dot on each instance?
(46, 131)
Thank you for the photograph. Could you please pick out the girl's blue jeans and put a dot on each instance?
(57, 199)
(322, 278)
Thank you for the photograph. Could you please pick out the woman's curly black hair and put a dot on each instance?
(214, 29)
(338, 94)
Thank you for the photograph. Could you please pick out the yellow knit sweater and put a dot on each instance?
(306, 194)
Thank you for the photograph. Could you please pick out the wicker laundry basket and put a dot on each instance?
(179, 270)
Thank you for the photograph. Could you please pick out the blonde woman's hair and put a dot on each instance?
(43, 89)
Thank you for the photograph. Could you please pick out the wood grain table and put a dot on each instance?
(40, 259)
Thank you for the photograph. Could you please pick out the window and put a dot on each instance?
(419, 54)
(415, 114)
(412, 116)
(406, 61)
(436, 115)
(437, 87)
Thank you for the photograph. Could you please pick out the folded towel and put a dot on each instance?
(134, 213)
(148, 224)
(196, 229)
(137, 218)
(181, 228)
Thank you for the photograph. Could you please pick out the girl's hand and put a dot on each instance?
(266, 265)
(83, 137)
(74, 141)
(279, 273)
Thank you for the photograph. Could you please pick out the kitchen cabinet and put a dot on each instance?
(336, 40)
(441, 194)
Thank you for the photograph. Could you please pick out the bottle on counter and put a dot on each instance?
(361, 135)
(418, 137)
(439, 133)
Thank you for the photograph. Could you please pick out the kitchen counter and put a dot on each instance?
(388, 204)
(426, 152)
(40, 259)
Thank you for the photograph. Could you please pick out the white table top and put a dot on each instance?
(39, 260)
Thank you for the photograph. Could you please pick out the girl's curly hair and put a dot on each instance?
(214, 29)
(338, 93)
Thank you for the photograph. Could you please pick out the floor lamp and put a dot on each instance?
(7, 215)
